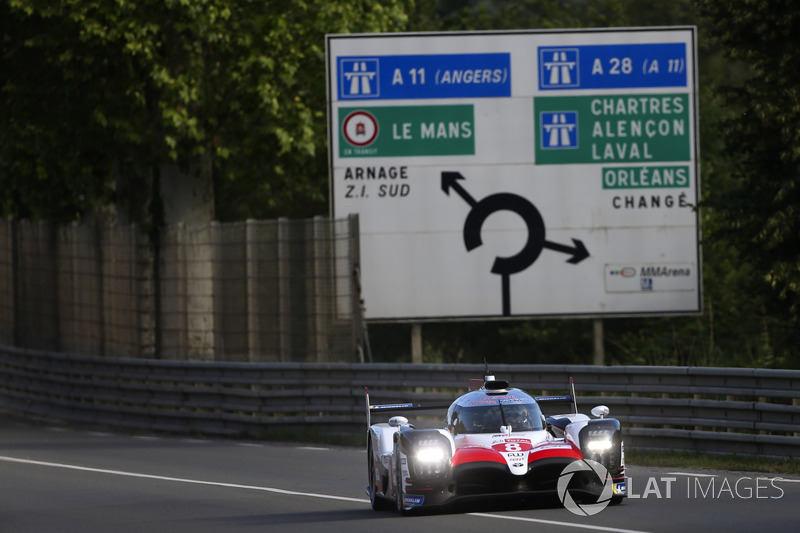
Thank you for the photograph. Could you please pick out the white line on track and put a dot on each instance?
(295, 493)
(179, 480)
(692, 474)
(557, 523)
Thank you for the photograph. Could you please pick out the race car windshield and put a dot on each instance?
(489, 418)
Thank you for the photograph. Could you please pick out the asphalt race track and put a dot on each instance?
(62, 480)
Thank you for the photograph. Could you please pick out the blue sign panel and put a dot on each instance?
(424, 76)
(613, 66)
(559, 130)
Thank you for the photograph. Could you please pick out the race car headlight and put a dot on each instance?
(431, 461)
(599, 445)
(600, 440)
(430, 454)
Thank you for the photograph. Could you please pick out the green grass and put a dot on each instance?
(697, 460)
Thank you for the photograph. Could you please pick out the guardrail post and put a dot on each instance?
(730, 398)
(252, 246)
(359, 335)
(599, 344)
(416, 343)
(321, 242)
(8, 283)
(182, 310)
(635, 395)
(796, 402)
(697, 397)
(665, 396)
(284, 290)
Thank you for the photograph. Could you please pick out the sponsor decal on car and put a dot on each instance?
(416, 501)
(513, 445)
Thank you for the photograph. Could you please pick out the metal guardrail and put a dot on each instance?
(718, 410)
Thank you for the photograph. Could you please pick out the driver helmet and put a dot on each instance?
(517, 415)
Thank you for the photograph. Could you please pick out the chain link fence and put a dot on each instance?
(254, 291)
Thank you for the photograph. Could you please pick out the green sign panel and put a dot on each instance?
(646, 177)
(406, 131)
(612, 129)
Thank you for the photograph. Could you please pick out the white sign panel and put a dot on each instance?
(519, 174)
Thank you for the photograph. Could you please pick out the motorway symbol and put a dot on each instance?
(559, 129)
(505, 266)
(559, 68)
(359, 78)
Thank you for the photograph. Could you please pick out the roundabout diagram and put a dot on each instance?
(536, 241)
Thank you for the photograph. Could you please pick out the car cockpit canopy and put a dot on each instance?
(485, 411)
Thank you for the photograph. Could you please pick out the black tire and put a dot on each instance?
(377, 503)
(399, 494)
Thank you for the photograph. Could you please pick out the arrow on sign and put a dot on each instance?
(579, 251)
(505, 266)
(450, 181)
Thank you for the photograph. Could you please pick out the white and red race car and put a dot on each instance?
(497, 443)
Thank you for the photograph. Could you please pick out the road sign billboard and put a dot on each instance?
(519, 174)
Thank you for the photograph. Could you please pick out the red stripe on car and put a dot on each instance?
(546, 451)
(475, 455)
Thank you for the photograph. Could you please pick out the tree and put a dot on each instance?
(99, 98)
(758, 208)
(100, 95)
(739, 326)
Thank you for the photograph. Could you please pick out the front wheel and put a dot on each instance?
(377, 503)
(399, 492)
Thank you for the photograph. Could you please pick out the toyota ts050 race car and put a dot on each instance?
(497, 442)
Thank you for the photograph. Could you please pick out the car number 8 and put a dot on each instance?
(512, 447)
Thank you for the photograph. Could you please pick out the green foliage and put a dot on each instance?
(98, 93)
(276, 155)
(753, 220)
(97, 90)
(505, 342)
(758, 206)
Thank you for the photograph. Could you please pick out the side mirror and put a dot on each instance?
(600, 411)
(397, 421)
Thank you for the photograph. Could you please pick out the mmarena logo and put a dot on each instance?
(587, 509)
